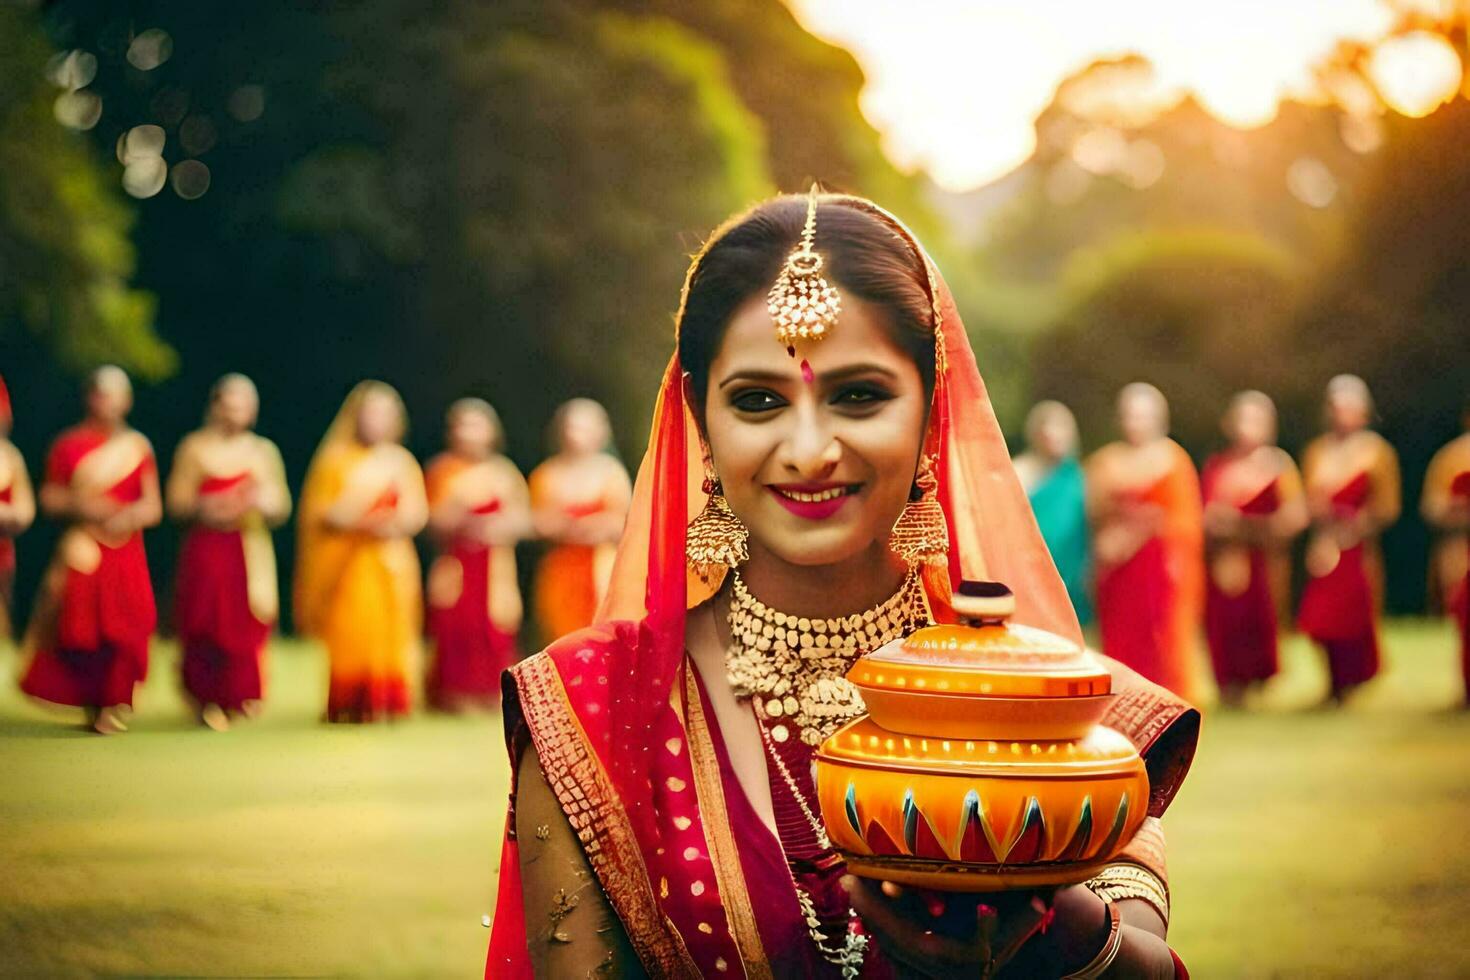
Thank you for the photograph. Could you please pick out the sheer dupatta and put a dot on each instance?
(993, 536)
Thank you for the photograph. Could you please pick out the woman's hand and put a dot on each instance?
(926, 934)
(932, 934)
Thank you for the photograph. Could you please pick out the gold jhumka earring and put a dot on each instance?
(715, 538)
(803, 303)
(920, 535)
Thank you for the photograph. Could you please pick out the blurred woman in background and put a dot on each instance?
(479, 507)
(1445, 505)
(94, 613)
(1253, 508)
(579, 501)
(1143, 501)
(1052, 476)
(228, 486)
(357, 573)
(1352, 482)
(17, 509)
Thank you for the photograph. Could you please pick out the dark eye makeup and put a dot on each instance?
(755, 400)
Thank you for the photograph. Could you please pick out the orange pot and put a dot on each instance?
(980, 766)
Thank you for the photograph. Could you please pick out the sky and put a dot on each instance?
(954, 85)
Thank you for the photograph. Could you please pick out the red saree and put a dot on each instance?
(626, 740)
(1353, 482)
(7, 546)
(474, 614)
(1240, 595)
(1460, 602)
(95, 613)
(1148, 603)
(223, 619)
(1338, 604)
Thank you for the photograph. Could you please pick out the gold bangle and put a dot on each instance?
(1117, 882)
(1110, 949)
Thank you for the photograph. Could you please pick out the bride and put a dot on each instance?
(824, 465)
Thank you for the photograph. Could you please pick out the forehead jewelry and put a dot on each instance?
(803, 303)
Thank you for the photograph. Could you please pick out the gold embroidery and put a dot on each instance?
(724, 852)
(590, 802)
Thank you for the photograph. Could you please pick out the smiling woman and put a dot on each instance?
(664, 814)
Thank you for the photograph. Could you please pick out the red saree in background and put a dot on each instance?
(1149, 604)
(1339, 607)
(1240, 595)
(95, 612)
(1460, 601)
(628, 745)
(225, 605)
(474, 614)
(1447, 484)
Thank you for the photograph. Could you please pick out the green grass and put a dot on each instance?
(1304, 843)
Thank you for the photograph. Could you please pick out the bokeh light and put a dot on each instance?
(150, 49)
(72, 70)
(247, 103)
(144, 177)
(190, 179)
(78, 110)
(1311, 182)
(1416, 73)
(197, 135)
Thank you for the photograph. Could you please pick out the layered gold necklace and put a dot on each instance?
(795, 666)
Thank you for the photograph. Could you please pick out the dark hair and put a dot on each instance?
(866, 257)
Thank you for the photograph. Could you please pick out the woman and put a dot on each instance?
(1143, 501)
(229, 486)
(479, 508)
(357, 573)
(579, 500)
(1352, 481)
(659, 793)
(94, 614)
(17, 509)
(1253, 508)
(1445, 505)
(1052, 476)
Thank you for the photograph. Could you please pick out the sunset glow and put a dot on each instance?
(954, 85)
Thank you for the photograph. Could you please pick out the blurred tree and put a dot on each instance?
(65, 254)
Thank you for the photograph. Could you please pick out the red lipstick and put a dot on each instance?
(813, 501)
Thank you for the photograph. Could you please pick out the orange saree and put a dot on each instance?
(359, 592)
(1149, 558)
(95, 612)
(572, 577)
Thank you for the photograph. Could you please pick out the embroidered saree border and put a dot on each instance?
(586, 795)
(723, 851)
(1147, 717)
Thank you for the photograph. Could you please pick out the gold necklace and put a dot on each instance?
(796, 666)
(849, 957)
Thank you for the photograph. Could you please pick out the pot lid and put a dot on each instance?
(983, 656)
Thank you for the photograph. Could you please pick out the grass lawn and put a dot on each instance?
(1304, 843)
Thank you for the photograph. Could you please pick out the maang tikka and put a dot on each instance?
(920, 535)
(803, 303)
(715, 539)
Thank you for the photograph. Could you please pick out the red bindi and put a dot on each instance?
(806, 372)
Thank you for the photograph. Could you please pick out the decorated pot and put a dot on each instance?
(981, 765)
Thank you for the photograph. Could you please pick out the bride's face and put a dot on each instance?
(817, 464)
